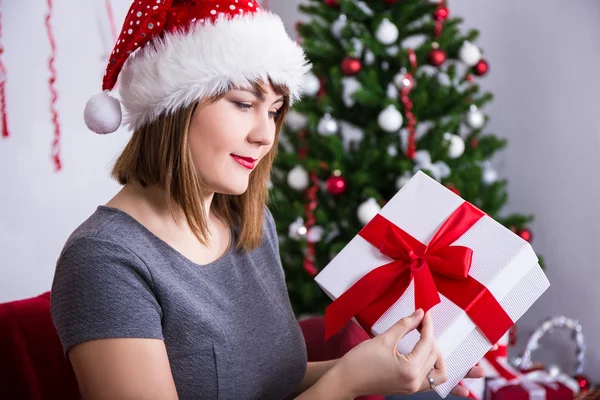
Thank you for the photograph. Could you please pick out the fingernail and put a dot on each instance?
(417, 312)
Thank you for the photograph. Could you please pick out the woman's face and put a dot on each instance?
(231, 136)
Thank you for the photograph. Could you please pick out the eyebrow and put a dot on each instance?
(261, 96)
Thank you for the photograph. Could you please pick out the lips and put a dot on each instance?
(247, 162)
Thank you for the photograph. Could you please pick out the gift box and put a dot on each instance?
(428, 248)
(496, 365)
(537, 385)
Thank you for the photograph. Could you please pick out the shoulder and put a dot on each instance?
(104, 245)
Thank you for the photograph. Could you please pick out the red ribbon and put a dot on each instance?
(435, 268)
(494, 357)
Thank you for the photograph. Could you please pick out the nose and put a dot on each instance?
(263, 132)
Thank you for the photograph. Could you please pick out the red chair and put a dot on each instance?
(32, 365)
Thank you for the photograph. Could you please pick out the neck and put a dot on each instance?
(152, 200)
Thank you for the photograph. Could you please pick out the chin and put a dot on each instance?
(233, 189)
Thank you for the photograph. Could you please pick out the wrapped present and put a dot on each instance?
(536, 385)
(428, 248)
(496, 365)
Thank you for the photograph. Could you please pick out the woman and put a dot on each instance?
(174, 288)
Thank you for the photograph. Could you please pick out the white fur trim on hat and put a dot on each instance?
(186, 66)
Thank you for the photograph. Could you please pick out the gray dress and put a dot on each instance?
(228, 326)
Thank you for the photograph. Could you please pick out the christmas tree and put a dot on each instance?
(394, 90)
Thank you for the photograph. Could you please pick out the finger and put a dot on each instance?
(422, 349)
(476, 372)
(438, 378)
(405, 325)
(434, 360)
(440, 365)
(460, 391)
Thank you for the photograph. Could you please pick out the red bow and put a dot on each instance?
(435, 268)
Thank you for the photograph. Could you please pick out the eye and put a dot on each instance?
(274, 114)
(242, 106)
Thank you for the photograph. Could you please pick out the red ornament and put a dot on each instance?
(481, 68)
(441, 13)
(526, 234)
(332, 3)
(351, 66)
(453, 189)
(336, 185)
(474, 143)
(584, 382)
(436, 57)
(390, 2)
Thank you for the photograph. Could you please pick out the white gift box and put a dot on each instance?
(502, 261)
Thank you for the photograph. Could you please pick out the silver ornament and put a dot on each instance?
(297, 230)
(525, 361)
(338, 25)
(295, 120)
(310, 84)
(475, 118)
(327, 125)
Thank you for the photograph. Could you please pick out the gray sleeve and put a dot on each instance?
(101, 290)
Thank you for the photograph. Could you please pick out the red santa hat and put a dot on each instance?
(172, 53)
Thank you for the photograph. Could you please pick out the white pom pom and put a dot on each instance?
(102, 113)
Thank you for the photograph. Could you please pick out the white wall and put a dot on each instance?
(543, 56)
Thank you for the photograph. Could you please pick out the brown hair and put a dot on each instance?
(158, 154)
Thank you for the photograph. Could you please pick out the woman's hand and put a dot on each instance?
(376, 367)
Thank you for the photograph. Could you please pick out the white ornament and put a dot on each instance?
(315, 234)
(310, 84)
(475, 118)
(349, 86)
(469, 53)
(392, 50)
(338, 25)
(358, 46)
(457, 145)
(488, 176)
(367, 210)
(403, 180)
(387, 32)
(439, 170)
(295, 120)
(390, 119)
(364, 8)
(369, 58)
(351, 134)
(392, 150)
(392, 91)
(298, 178)
(443, 79)
(297, 230)
(327, 125)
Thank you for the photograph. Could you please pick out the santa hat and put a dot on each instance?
(172, 53)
